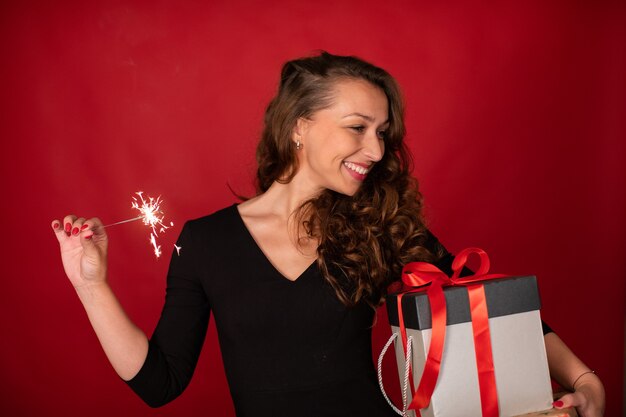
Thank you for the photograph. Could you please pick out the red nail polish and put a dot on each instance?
(558, 404)
(88, 237)
(68, 227)
(84, 226)
(55, 225)
(75, 231)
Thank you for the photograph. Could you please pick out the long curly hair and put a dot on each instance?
(364, 239)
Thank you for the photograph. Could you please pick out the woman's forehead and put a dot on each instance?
(359, 98)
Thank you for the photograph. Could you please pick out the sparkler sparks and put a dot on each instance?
(152, 216)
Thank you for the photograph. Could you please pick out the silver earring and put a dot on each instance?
(298, 144)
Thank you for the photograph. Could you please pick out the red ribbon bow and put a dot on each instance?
(421, 276)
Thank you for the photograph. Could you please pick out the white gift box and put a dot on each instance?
(521, 368)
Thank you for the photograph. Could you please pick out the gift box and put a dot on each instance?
(514, 344)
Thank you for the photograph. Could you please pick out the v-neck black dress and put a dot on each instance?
(290, 348)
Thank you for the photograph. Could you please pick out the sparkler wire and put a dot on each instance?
(134, 219)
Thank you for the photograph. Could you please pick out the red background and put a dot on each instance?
(515, 114)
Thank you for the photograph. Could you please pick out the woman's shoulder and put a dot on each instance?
(213, 233)
(223, 220)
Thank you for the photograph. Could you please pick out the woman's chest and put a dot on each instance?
(253, 300)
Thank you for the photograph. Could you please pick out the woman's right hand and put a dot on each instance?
(83, 246)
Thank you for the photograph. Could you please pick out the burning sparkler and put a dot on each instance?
(152, 216)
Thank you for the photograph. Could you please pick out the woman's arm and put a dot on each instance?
(572, 374)
(125, 345)
(157, 370)
(83, 245)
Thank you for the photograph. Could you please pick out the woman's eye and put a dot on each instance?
(382, 134)
(358, 129)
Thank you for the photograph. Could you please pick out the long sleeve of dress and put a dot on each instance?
(178, 338)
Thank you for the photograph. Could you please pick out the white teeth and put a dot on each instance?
(356, 168)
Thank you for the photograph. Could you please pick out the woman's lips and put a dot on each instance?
(358, 171)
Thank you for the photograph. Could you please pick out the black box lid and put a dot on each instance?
(504, 296)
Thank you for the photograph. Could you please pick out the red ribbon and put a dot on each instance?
(421, 276)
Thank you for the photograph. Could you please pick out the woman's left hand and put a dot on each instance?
(588, 398)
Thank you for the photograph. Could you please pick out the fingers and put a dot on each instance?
(73, 226)
(77, 226)
(56, 226)
(92, 228)
(93, 240)
(574, 399)
(63, 229)
(68, 222)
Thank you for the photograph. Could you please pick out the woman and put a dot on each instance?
(292, 275)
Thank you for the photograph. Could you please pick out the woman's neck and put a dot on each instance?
(285, 199)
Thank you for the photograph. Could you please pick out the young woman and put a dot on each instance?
(294, 274)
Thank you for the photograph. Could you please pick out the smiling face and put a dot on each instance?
(341, 143)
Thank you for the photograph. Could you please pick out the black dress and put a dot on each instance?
(290, 348)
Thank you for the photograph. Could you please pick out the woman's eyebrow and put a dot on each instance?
(363, 116)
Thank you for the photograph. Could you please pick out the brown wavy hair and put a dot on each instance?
(364, 239)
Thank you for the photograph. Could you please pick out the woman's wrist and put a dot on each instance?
(589, 381)
(584, 377)
(90, 291)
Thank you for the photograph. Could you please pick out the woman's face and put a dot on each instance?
(342, 142)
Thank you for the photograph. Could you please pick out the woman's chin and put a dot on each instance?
(348, 191)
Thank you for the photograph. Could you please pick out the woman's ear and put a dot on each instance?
(300, 128)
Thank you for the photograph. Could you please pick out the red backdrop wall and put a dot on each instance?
(515, 114)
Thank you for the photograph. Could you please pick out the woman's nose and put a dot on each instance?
(374, 148)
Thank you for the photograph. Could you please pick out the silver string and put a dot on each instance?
(404, 412)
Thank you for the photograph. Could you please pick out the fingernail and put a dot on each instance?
(75, 231)
(55, 225)
(84, 226)
(88, 237)
(68, 227)
(558, 404)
